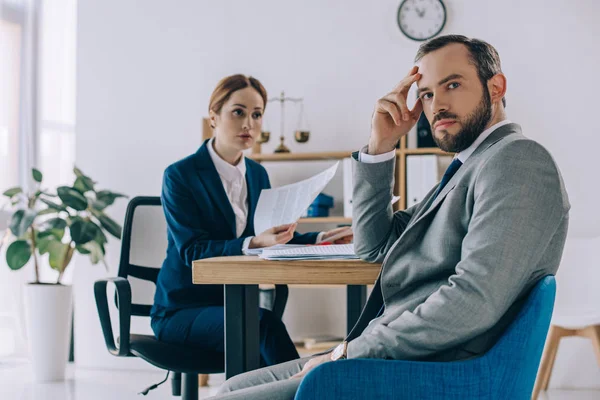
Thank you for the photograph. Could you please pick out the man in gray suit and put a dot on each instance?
(456, 267)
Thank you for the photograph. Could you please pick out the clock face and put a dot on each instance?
(421, 19)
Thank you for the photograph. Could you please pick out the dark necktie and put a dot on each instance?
(452, 168)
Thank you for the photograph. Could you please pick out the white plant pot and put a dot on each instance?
(48, 310)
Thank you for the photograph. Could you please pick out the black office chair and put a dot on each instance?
(144, 243)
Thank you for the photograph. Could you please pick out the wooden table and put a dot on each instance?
(241, 276)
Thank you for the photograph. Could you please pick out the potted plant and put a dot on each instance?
(71, 221)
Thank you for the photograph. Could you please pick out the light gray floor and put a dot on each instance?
(88, 384)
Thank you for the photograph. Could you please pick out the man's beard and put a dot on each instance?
(473, 126)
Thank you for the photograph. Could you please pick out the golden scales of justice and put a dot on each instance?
(300, 135)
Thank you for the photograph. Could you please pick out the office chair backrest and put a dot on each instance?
(578, 277)
(143, 250)
(515, 358)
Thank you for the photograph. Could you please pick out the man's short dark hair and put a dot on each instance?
(483, 55)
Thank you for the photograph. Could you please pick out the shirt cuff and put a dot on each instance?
(320, 237)
(246, 244)
(373, 159)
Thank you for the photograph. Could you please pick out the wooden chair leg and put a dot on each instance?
(548, 359)
(203, 380)
(593, 332)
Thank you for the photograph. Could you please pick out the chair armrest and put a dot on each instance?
(123, 294)
(393, 379)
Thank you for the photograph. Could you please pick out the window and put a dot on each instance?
(37, 90)
(11, 45)
(37, 123)
(56, 136)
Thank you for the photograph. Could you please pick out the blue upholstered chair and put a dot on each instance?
(507, 371)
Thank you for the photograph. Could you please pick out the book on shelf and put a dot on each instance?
(423, 172)
(347, 182)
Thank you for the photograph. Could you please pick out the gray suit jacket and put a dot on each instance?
(455, 271)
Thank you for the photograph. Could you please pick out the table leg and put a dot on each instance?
(355, 299)
(242, 351)
(252, 340)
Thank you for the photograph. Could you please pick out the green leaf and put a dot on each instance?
(96, 252)
(100, 237)
(12, 192)
(43, 241)
(48, 193)
(53, 205)
(78, 172)
(110, 225)
(44, 234)
(72, 198)
(83, 231)
(37, 175)
(47, 211)
(21, 221)
(18, 254)
(82, 250)
(83, 184)
(58, 253)
(105, 198)
(55, 223)
(55, 226)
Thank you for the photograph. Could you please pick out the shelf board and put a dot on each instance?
(328, 155)
(336, 155)
(326, 220)
(426, 150)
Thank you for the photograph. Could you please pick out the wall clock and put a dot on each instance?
(421, 20)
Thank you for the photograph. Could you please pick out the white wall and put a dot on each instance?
(146, 70)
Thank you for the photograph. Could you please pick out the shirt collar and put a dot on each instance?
(226, 171)
(465, 154)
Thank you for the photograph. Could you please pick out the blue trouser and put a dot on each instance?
(204, 327)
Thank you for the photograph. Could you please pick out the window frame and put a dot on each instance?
(28, 120)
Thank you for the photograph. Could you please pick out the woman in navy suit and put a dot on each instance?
(209, 199)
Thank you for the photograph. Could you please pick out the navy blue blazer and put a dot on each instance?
(201, 224)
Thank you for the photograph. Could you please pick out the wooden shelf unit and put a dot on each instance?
(330, 155)
(400, 182)
(401, 154)
(424, 150)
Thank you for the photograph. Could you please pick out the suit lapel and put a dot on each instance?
(210, 177)
(496, 136)
(253, 193)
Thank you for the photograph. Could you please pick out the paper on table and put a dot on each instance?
(344, 233)
(286, 204)
(258, 251)
(334, 251)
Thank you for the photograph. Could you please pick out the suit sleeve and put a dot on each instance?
(376, 226)
(191, 238)
(519, 203)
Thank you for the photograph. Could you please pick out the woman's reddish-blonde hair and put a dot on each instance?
(233, 83)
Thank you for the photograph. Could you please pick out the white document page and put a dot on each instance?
(286, 204)
(334, 251)
(258, 251)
